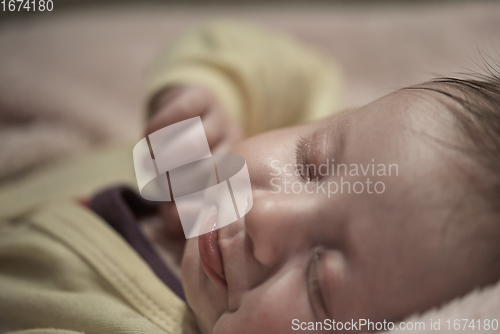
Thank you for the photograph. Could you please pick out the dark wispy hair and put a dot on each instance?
(478, 117)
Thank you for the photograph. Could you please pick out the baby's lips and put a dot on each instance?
(210, 255)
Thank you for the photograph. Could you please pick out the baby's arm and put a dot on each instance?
(261, 80)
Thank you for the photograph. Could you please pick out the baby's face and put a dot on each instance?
(382, 251)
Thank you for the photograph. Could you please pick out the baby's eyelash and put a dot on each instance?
(315, 294)
(301, 158)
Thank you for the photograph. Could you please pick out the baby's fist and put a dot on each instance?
(180, 103)
(176, 104)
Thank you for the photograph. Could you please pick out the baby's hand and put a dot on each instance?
(180, 103)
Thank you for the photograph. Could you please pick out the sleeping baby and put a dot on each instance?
(366, 215)
(418, 237)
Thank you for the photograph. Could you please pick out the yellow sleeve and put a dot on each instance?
(264, 80)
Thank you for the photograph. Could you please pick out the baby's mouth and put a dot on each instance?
(210, 254)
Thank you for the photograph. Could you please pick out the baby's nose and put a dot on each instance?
(278, 226)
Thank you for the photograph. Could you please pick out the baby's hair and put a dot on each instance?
(478, 119)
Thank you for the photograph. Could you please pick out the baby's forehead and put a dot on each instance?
(416, 107)
(441, 95)
(409, 121)
(408, 127)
